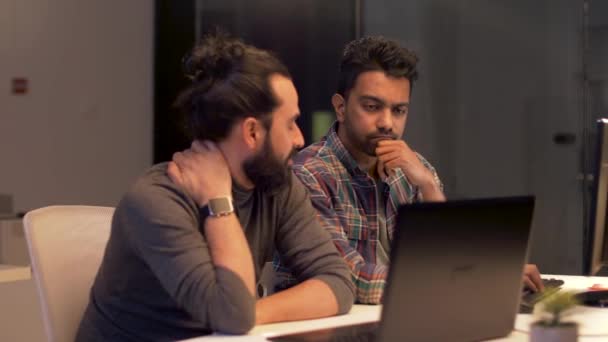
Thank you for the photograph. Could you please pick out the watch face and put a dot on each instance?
(220, 206)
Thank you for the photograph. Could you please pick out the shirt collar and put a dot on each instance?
(335, 144)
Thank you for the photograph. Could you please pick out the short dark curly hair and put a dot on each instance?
(375, 53)
(230, 81)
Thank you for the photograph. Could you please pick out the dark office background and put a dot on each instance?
(305, 34)
(506, 103)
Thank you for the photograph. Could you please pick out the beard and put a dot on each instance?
(367, 143)
(267, 171)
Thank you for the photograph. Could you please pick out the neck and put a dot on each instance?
(364, 160)
(234, 159)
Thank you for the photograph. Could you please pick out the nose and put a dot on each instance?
(298, 139)
(385, 120)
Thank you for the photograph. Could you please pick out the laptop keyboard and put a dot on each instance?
(529, 297)
(552, 282)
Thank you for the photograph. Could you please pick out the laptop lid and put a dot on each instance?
(456, 274)
(456, 270)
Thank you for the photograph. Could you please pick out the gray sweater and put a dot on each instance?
(157, 280)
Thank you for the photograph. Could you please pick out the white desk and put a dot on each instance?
(593, 322)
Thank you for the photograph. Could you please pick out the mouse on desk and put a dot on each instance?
(594, 298)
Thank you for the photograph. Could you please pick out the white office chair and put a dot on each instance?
(66, 244)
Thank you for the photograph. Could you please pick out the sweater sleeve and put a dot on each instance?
(307, 249)
(165, 230)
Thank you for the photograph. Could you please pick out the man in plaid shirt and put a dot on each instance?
(362, 170)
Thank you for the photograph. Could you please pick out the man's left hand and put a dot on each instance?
(397, 154)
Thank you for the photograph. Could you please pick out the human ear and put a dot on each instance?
(339, 104)
(252, 132)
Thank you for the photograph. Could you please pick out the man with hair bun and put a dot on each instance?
(190, 237)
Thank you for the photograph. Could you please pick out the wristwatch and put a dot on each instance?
(219, 206)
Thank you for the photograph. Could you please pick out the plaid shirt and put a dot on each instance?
(345, 199)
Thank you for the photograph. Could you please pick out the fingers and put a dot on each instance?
(203, 146)
(177, 157)
(391, 145)
(198, 146)
(388, 149)
(179, 160)
(182, 161)
(392, 150)
(174, 172)
(390, 142)
(531, 271)
(389, 156)
(211, 146)
(390, 160)
(530, 284)
(178, 168)
(396, 160)
(208, 148)
(186, 157)
(201, 171)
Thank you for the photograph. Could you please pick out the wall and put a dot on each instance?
(83, 132)
(498, 80)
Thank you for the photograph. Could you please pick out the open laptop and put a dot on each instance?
(456, 274)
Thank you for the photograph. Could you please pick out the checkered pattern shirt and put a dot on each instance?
(345, 199)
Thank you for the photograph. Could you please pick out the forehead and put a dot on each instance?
(379, 85)
(286, 95)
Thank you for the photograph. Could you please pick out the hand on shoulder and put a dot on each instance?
(202, 171)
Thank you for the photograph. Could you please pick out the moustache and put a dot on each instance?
(292, 153)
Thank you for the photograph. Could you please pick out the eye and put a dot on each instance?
(400, 111)
(371, 107)
(292, 124)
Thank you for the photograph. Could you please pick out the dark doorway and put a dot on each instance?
(308, 35)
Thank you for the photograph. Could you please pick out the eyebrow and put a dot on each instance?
(377, 99)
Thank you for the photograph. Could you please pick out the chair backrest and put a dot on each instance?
(66, 245)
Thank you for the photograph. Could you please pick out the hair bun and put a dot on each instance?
(213, 58)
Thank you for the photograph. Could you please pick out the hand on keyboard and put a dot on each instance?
(530, 297)
(532, 278)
